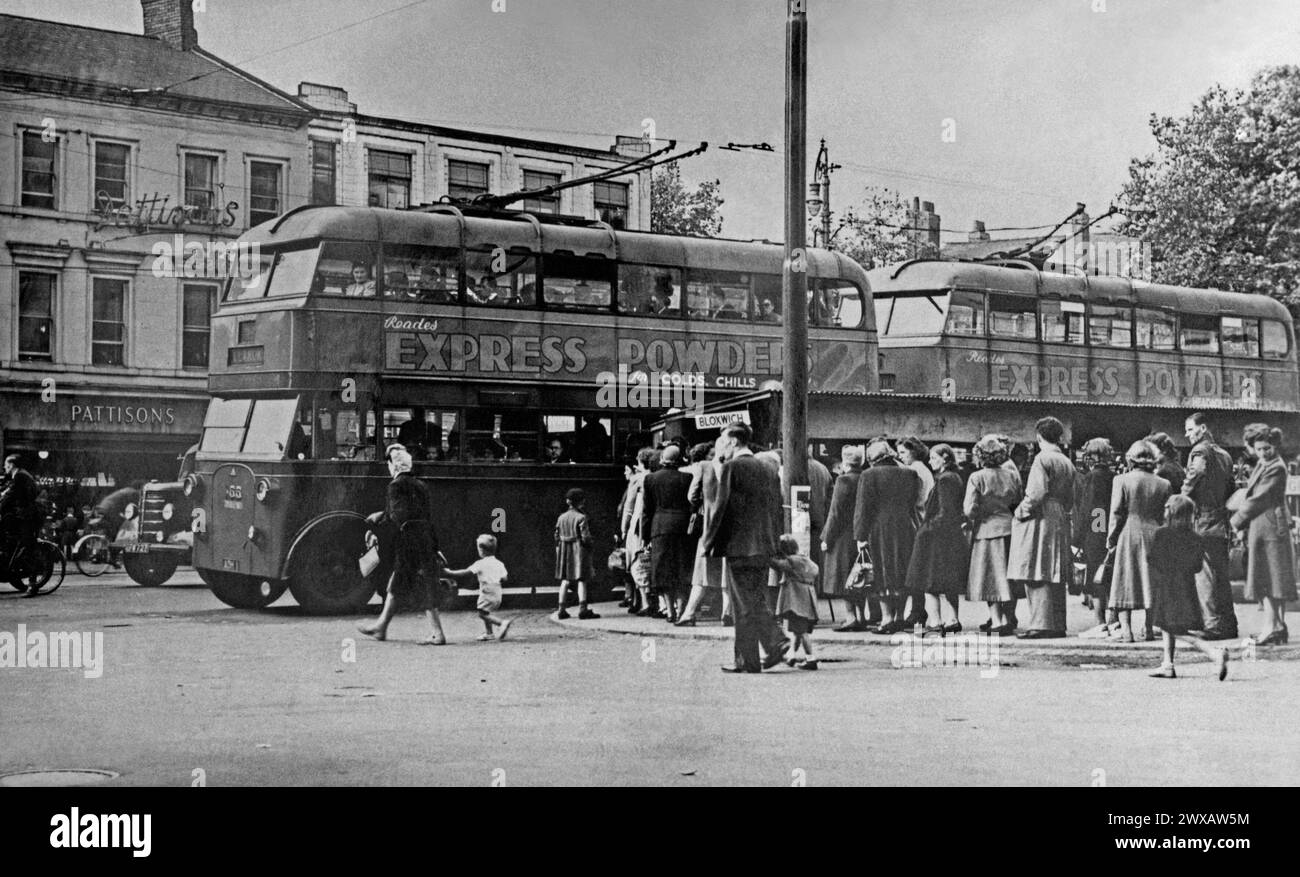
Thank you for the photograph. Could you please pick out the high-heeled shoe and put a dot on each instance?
(1276, 638)
(955, 627)
(684, 622)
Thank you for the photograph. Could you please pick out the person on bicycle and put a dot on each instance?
(19, 517)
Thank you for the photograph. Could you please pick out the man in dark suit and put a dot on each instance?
(20, 519)
(1209, 484)
(745, 528)
(667, 509)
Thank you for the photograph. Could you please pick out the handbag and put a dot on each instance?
(618, 559)
(862, 574)
(1106, 572)
(695, 526)
(369, 562)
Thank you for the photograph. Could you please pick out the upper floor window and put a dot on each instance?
(35, 316)
(200, 180)
(542, 203)
(390, 179)
(263, 191)
(611, 203)
(108, 328)
(40, 158)
(196, 321)
(465, 179)
(112, 174)
(322, 172)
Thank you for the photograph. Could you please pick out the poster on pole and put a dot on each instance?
(801, 517)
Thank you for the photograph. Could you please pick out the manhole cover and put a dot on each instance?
(49, 778)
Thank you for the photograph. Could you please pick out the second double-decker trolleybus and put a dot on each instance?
(515, 357)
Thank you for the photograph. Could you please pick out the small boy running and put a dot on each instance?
(491, 574)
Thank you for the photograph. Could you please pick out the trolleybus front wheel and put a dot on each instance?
(323, 573)
(150, 570)
(241, 591)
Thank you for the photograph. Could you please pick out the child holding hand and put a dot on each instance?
(797, 600)
(491, 574)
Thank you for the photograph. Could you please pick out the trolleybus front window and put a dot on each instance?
(255, 284)
(835, 303)
(1110, 326)
(270, 427)
(917, 314)
(293, 272)
(223, 427)
(1276, 344)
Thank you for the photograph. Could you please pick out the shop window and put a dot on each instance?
(1276, 341)
(422, 273)
(541, 203)
(1200, 334)
(1240, 336)
(611, 202)
(1012, 316)
(390, 179)
(515, 285)
(39, 180)
(649, 289)
(199, 302)
(35, 316)
(108, 328)
(718, 295)
(1062, 321)
(112, 178)
(1156, 330)
(466, 179)
(264, 198)
(323, 165)
(1110, 326)
(573, 282)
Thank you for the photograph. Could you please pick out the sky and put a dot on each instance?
(1045, 101)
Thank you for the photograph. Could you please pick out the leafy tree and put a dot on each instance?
(1219, 201)
(675, 209)
(874, 233)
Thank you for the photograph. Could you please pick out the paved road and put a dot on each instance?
(279, 698)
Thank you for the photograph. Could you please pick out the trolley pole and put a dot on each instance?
(794, 274)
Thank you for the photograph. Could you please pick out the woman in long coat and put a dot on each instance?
(884, 517)
(636, 536)
(1263, 515)
(992, 493)
(940, 562)
(839, 550)
(1167, 466)
(1091, 525)
(666, 511)
(1040, 534)
(1137, 507)
(708, 572)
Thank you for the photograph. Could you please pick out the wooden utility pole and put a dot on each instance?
(794, 275)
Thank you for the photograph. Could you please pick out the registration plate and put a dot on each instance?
(136, 548)
(230, 564)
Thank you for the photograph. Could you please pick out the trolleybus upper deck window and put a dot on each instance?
(492, 278)
(346, 269)
(255, 284)
(1012, 316)
(717, 295)
(965, 313)
(767, 298)
(422, 273)
(1200, 334)
(833, 302)
(1062, 321)
(1110, 326)
(1156, 330)
(1240, 336)
(577, 282)
(917, 313)
(649, 289)
(1276, 340)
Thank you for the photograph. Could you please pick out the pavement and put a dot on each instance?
(1078, 619)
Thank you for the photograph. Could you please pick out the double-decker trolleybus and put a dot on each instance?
(971, 348)
(517, 357)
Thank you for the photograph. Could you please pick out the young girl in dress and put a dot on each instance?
(797, 601)
(1175, 558)
(573, 552)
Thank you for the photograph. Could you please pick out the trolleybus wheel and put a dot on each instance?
(150, 569)
(323, 574)
(241, 591)
(92, 554)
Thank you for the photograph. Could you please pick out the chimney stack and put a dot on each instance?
(978, 233)
(1078, 246)
(924, 229)
(171, 21)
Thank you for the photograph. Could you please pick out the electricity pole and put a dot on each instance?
(794, 274)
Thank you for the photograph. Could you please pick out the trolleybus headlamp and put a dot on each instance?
(193, 485)
(264, 489)
(129, 512)
(167, 511)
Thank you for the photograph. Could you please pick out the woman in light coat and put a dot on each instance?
(1040, 558)
(992, 493)
(709, 572)
(1137, 508)
(1263, 516)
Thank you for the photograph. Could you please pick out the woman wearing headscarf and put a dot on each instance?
(940, 563)
(1137, 507)
(666, 508)
(992, 494)
(884, 518)
(1168, 466)
(1040, 534)
(839, 551)
(408, 543)
(1091, 526)
(1263, 517)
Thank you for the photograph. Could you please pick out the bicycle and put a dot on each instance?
(32, 568)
